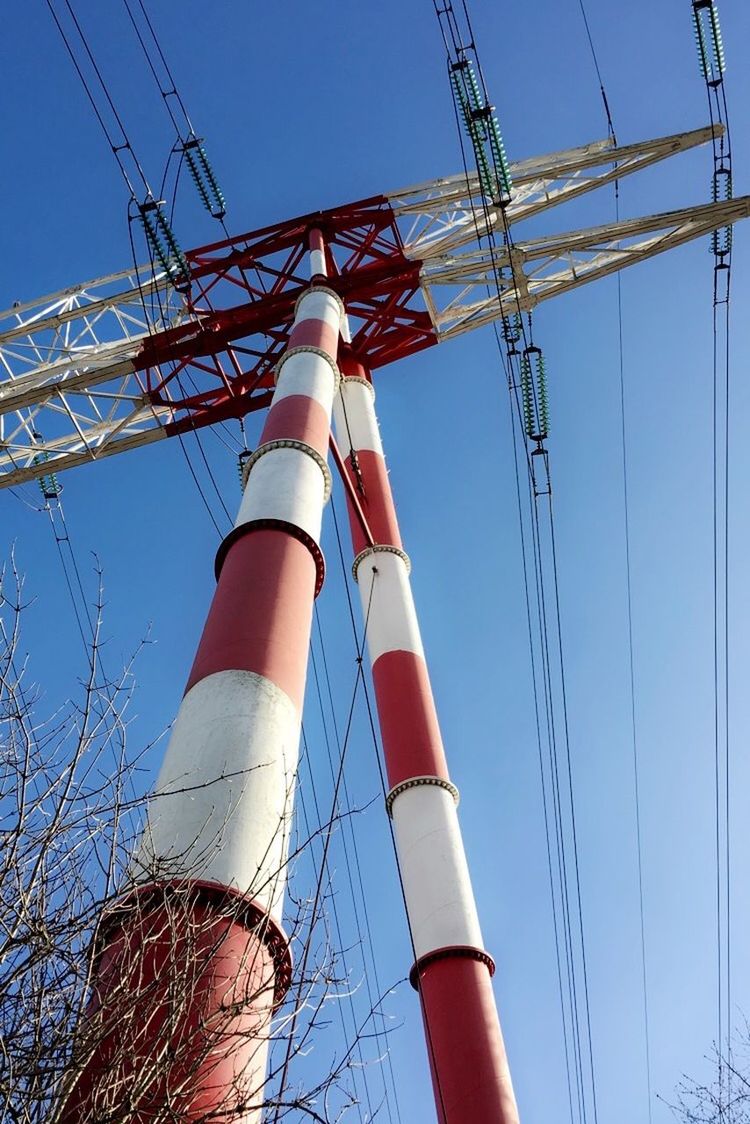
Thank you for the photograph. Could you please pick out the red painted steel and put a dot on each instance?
(184, 987)
(412, 744)
(263, 602)
(300, 414)
(242, 295)
(356, 514)
(313, 333)
(469, 1066)
(370, 481)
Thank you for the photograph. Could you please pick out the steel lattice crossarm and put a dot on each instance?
(112, 364)
(448, 213)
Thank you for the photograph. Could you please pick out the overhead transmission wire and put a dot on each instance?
(612, 135)
(360, 645)
(344, 812)
(526, 380)
(162, 244)
(712, 64)
(361, 918)
(191, 150)
(318, 891)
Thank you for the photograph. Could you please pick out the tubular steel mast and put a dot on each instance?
(260, 322)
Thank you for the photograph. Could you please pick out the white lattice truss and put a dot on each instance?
(70, 393)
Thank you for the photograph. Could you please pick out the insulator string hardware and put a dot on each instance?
(203, 177)
(534, 396)
(708, 41)
(721, 191)
(50, 487)
(162, 242)
(480, 122)
(512, 329)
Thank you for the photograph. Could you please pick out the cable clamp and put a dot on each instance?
(414, 782)
(380, 549)
(315, 351)
(289, 443)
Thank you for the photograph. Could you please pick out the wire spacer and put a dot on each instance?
(320, 289)
(315, 351)
(379, 548)
(414, 782)
(463, 951)
(289, 443)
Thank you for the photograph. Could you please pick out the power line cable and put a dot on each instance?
(124, 144)
(384, 789)
(461, 50)
(628, 592)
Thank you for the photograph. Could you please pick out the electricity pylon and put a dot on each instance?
(296, 317)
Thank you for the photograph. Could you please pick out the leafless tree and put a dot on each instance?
(71, 811)
(725, 1098)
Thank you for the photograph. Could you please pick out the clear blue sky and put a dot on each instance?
(307, 105)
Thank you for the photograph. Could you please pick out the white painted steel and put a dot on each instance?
(318, 304)
(450, 212)
(355, 420)
(440, 223)
(391, 617)
(250, 1081)
(222, 809)
(309, 374)
(317, 263)
(285, 484)
(434, 871)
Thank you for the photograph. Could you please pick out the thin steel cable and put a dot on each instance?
(346, 811)
(628, 595)
(326, 846)
(545, 799)
(384, 789)
(126, 143)
(528, 338)
(369, 945)
(349, 1033)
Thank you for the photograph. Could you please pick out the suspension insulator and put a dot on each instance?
(708, 41)
(534, 394)
(512, 328)
(204, 179)
(48, 483)
(483, 130)
(721, 192)
(499, 159)
(163, 243)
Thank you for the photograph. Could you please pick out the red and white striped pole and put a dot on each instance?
(452, 971)
(210, 873)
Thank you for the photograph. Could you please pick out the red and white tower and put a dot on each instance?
(452, 970)
(197, 944)
(193, 960)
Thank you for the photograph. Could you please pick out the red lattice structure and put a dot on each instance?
(242, 295)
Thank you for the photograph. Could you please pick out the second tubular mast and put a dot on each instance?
(452, 970)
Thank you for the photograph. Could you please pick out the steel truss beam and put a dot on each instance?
(448, 213)
(533, 271)
(120, 362)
